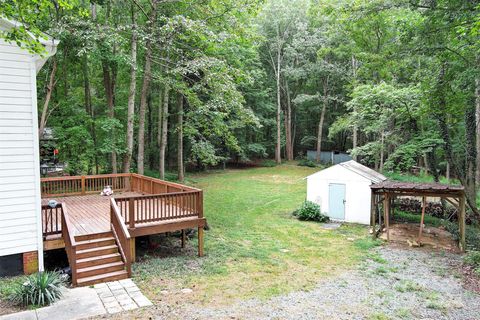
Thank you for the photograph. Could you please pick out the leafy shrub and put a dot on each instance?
(472, 235)
(268, 163)
(256, 150)
(40, 289)
(310, 211)
(473, 259)
(307, 163)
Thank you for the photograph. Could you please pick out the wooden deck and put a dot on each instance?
(98, 232)
(89, 214)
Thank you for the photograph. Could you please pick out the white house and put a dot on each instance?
(20, 201)
(343, 191)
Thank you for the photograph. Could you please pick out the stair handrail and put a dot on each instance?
(70, 243)
(121, 234)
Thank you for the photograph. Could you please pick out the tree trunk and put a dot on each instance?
(143, 104)
(181, 174)
(382, 149)
(477, 118)
(163, 140)
(447, 146)
(288, 125)
(108, 84)
(150, 141)
(143, 98)
(109, 75)
(50, 86)
(431, 163)
(89, 108)
(471, 151)
(278, 148)
(355, 127)
(322, 118)
(131, 96)
(355, 140)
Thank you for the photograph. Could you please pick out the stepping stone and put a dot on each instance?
(127, 283)
(143, 302)
(130, 306)
(100, 286)
(114, 309)
(331, 226)
(24, 315)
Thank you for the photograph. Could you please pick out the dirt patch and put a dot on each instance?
(432, 237)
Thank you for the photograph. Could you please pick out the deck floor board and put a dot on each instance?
(89, 214)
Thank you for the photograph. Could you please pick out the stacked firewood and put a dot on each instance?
(433, 208)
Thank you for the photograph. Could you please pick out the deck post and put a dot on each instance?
(200, 241)
(200, 204)
(461, 223)
(132, 249)
(83, 185)
(131, 213)
(183, 238)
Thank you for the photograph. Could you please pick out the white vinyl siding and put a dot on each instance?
(19, 192)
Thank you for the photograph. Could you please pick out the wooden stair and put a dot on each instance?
(98, 259)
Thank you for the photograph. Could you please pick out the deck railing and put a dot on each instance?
(158, 207)
(70, 243)
(144, 184)
(81, 185)
(51, 220)
(161, 200)
(121, 234)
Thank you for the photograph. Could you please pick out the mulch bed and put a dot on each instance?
(7, 307)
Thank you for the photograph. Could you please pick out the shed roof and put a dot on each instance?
(364, 171)
(419, 188)
(358, 169)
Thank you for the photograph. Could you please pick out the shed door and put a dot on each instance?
(336, 201)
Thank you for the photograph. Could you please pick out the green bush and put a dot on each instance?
(307, 163)
(40, 289)
(268, 163)
(473, 259)
(472, 235)
(310, 211)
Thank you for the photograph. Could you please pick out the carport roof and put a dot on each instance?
(417, 188)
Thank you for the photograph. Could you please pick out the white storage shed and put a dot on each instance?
(343, 191)
(20, 199)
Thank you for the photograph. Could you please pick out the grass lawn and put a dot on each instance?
(254, 247)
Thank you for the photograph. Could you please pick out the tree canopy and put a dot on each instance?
(153, 84)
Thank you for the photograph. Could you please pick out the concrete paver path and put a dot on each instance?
(80, 303)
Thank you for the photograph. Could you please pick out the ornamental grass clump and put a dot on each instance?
(40, 289)
(310, 211)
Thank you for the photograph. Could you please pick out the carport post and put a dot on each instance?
(386, 209)
(422, 219)
(372, 215)
(461, 221)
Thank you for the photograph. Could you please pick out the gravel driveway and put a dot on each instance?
(393, 283)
